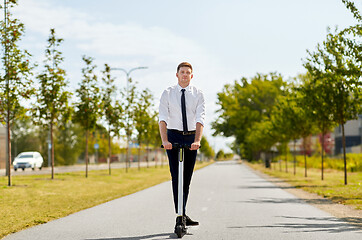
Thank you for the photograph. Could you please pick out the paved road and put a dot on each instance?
(230, 201)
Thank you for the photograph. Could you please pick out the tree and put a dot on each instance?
(292, 120)
(52, 98)
(152, 136)
(314, 99)
(220, 155)
(206, 149)
(129, 95)
(336, 65)
(88, 106)
(244, 104)
(69, 142)
(262, 137)
(15, 82)
(142, 118)
(112, 109)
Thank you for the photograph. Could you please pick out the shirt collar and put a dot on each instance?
(186, 88)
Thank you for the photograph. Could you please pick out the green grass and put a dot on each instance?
(332, 187)
(37, 199)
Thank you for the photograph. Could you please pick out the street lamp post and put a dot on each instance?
(127, 115)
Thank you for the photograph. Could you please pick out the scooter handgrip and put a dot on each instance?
(176, 146)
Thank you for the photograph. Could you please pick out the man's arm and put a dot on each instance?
(163, 132)
(198, 135)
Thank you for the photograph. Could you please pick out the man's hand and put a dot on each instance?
(167, 145)
(195, 146)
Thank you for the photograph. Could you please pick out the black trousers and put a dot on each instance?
(189, 164)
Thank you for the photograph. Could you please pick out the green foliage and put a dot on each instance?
(220, 155)
(16, 68)
(352, 7)
(206, 149)
(89, 104)
(153, 133)
(68, 144)
(113, 111)
(52, 98)
(143, 116)
(245, 104)
(315, 99)
(333, 67)
(52, 106)
(336, 67)
(129, 96)
(262, 136)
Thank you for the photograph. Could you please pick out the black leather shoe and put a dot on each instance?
(190, 222)
(180, 228)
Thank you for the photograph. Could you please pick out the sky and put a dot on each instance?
(223, 40)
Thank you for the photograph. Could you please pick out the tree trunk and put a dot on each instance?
(147, 155)
(305, 158)
(86, 153)
(109, 151)
(295, 160)
(156, 157)
(52, 148)
(280, 165)
(127, 157)
(139, 157)
(344, 155)
(8, 143)
(322, 169)
(8, 147)
(286, 158)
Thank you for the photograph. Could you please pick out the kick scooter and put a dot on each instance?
(180, 229)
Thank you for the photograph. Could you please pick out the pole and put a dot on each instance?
(127, 124)
(127, 113)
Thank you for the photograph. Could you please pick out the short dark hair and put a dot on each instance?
(184, 64)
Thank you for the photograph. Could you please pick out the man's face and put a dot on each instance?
(184, 76)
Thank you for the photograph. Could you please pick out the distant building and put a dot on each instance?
(353, 134)
(2, 147)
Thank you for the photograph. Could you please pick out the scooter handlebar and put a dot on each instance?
(177, 146)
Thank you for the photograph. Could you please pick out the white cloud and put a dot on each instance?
(125, 45)
(104, 38)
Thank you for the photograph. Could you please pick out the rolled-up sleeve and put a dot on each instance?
(200, 110)
(163, 107)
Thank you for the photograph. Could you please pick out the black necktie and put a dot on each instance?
(183, 109)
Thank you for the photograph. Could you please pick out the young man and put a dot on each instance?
(181, 120)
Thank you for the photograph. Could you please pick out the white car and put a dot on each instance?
(28, 160)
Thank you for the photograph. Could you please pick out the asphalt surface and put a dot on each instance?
(229, 200)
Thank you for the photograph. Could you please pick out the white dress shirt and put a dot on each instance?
(170, 107)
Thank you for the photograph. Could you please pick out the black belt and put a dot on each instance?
(182, 132)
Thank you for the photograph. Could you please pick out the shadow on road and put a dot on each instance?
(152, 236)
(295, 200)
(318, 224)
(281, 187)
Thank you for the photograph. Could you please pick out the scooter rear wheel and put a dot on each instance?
(180, 231)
